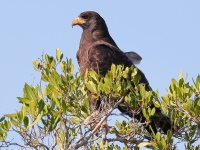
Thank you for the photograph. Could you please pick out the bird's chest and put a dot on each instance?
(82, 57)
(83, 52)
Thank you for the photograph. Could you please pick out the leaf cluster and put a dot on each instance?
(55, 109)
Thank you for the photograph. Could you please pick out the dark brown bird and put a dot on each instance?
(98, 51)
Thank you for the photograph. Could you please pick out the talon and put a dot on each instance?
(86, 121)
(93, 119)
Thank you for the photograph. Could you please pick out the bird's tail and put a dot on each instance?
(162, 122)
(159, 122)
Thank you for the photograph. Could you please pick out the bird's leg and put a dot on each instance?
(90, 119)
(103, 125)
(93, 120)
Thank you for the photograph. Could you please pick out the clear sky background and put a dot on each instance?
(165, 33)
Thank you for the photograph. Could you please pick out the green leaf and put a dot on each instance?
(158, 136)
(36, 65)
(54, 77)
(54, 124)
(108, 80)
(37, 119)
(87, 102)
(14, 122)
(20, 115)
(7, 125)
(169, 136)
(113, 70)
(45, 122)
(41, 105)
(145, 113)
(14, 115)
(142, 91)
(2, 119)
(51, 90)
(29, 93)
(186, 137)
(72, 68)
(50, 62)
(91, 86)
(143, 144)
(32, 108)
(152, 111)
(24, 110)
(157, 104)
(76, 120)
(125, 148)
(59, 55)
(45, 76)
(181, 82)
(180, 75)
(63, 66)
(163, 141)
(64, 107)
(94, 75)
(26, 121)
(117, 123)
(24, 100)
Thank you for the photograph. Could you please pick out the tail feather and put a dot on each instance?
(162, 122)
(158, 122)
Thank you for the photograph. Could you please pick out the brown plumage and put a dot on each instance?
(98, 51)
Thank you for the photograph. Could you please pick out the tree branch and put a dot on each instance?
(124, 140)
(85, 139)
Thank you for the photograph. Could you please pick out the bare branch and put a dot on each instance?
(7, 144)
(84, 140)
(103, 137)
(80, 134)
(124, 140)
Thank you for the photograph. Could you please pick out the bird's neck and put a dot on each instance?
(89, 36)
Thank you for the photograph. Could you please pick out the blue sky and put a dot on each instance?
(165, 33)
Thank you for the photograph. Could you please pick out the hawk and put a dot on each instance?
(98, 51)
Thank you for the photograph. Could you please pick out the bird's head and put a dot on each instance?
(88, 19)
(94, 27)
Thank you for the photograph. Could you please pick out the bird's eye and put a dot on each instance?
(85, 16)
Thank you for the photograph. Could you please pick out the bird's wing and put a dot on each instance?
(102, 55)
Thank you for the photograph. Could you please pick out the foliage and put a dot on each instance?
(53, 111)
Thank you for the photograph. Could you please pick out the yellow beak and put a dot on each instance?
(78, 21)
